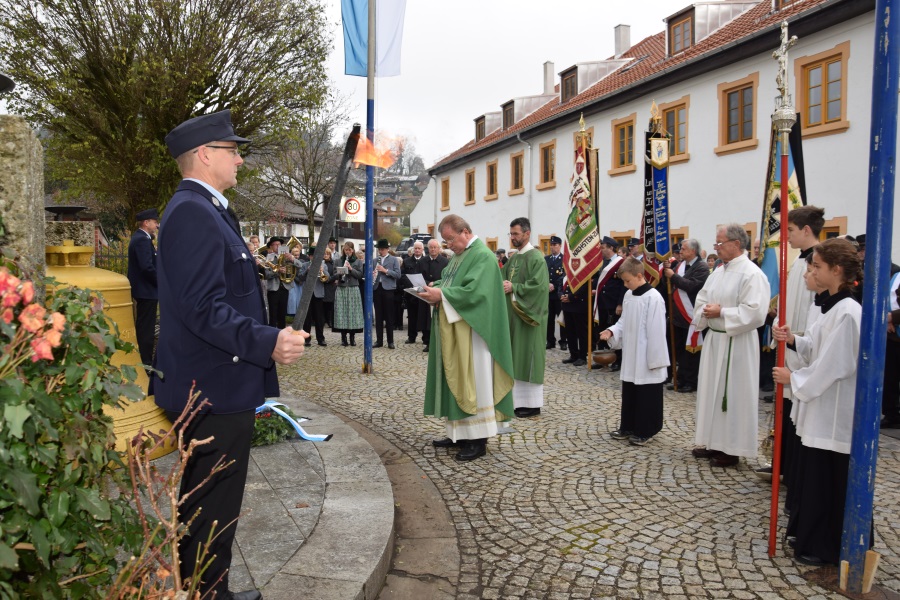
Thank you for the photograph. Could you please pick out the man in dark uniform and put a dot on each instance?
(557, 273)
(574, 309)
(212, 332)
(142, 277)
(431, 271)
(413, 265)
(687, 278)
(610, 291)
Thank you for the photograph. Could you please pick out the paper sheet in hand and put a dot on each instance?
(416, 280)
(415, 291)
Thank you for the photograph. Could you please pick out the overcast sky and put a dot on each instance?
(464, 58)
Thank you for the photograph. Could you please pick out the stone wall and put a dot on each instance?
(22, 190)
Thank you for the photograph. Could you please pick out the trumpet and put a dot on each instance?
(323, 276)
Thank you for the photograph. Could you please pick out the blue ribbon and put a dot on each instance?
(273, 405)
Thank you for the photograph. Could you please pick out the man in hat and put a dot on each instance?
(277, 290)
(142, 277)
(470, 366)
(525, 282)
(213, 332)
(636, 248)
(555, 273)
(687, 278)
(861, 246)
(384, 288)
(332, 245)
(610, 291)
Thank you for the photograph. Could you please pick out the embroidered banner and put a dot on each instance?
(581, 250)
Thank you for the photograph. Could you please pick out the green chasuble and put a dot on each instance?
(472, 285)
(527, 307)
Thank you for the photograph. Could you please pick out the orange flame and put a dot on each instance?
(369, 154)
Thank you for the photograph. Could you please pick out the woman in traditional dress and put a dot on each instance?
(348, 313)
(824, 391)
(296, 287)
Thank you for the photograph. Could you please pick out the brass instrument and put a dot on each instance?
(286, 262)
(323, 276)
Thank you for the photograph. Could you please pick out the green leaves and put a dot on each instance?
(14, 417)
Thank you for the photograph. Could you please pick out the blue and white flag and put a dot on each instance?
(388, 36)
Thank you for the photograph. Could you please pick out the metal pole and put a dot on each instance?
(870, 370)
(370, 193)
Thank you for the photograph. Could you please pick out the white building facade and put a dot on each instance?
(713, 76)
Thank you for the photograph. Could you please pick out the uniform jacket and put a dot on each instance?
(556, 271)
(388, 280)
(142, 266)
(613, 292)
(411, 266)
(212, 312)
(692, 282)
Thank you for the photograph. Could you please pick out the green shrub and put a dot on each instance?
(61, 522)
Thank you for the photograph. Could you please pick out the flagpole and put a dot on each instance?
(783, 120)
(860, 562)
(370, 193)
(590, 294)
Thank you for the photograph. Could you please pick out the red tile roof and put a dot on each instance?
(649, 59)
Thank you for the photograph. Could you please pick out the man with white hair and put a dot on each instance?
(413, 265)
(687, 278)
(732, 304)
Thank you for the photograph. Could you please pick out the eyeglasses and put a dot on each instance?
(720, 244)
(235, 151)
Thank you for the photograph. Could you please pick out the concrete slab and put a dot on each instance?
(293, 587)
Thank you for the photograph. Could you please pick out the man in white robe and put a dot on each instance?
(732, 304)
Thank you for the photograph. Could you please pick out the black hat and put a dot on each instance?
(383, 243)
(861, 240)
(332, 239)
(676, 247)
(555, 239)
(6, 83)
(150, 213)
(500, 251)
(274, 238)
(215, 127)
(634, 242)
(612, 243)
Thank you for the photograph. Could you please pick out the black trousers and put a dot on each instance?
(576, 334)
(642, 409)
(316, 315)
(555, 307)
(145, 327)
(329, 313)
(817, 517)
(385, 311)
(890, 398)
(278, 307)
(220, 498)
(412, 317)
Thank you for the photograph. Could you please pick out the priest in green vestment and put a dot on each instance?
(470, 372)
(525, 282)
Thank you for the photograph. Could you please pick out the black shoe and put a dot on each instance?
(569, 360)
(686, 389)
(523, 412)
(391, 345)
(444, 443)
(551, 346)
(564, 347)
(343, 339)
(620, 434)
(472, 449)
(308, 343)
(768, 399)
(809, 560)
(579, 363)
(672, 387)
(410, 342)
(322, 343)
(615, 367)
(890, 423)
(378, 344)
(425, 349)
(248, 595)
(352, 341)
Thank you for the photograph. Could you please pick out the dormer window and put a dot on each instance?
(479, 129)
(681, 33)
(779, 4)
(509, 114)
(569, 84)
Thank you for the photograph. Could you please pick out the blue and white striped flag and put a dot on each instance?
(388, 36)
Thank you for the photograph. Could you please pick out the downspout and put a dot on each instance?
(528, 186)
(434, 180)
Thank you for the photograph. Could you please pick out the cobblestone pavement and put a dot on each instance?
(559, 510)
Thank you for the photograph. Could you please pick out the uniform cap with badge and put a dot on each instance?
(150, 213)
(214, 127)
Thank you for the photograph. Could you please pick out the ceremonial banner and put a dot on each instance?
(581, 250)
(389, 16)
(770, 231)
(651, 238)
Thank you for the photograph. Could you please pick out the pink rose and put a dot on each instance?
(11, 298)
(58, 320)
(53, 337)
(42, 349)
(8, 315)
(32, 318)
(27, 292)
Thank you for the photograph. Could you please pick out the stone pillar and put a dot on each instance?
(22, 190)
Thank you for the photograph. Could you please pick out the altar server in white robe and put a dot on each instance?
(824, 393)
(732, 304)
(641, 334)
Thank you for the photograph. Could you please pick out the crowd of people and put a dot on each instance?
(487, 321)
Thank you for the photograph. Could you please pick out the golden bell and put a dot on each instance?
(71, 265)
